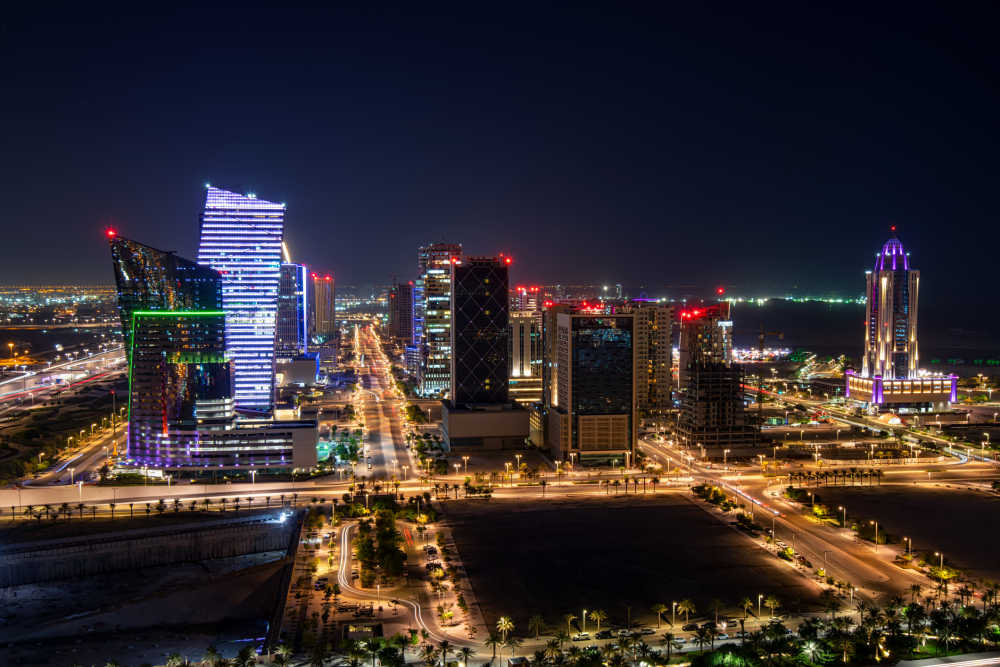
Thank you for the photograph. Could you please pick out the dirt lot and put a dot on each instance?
(959, 522)
(562, 556)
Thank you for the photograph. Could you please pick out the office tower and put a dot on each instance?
(654, 356)
(712, 408)
(890, 374)
(414, 353)
(526, 298)
(401, 313)
(434, 265)
(526, 356)
(241, 239)
(324, 313)
(179, 382)
(479, 415)
(590, 398)
(479, 331)
(292, 326)
(151, 279)
(706, 338)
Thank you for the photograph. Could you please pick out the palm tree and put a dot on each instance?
(771, 603)
(212, 657)
(513, 643)
(175, 660)
(747, 605)
(562, 636)
(569, 618)
(659, 608)
(282, 654)
(493, 640)
(504, 626)
(702, 636)
(687, 607)
(914, 592)
(466, 653)
(535, 624)
(716, 605)
(599, 616)
(445, 646)
(553, 651)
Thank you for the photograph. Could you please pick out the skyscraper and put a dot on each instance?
(890, 373)
(526, 356)
(654, 356)
(712, 413)
(434, 265)
(241, 239)
(292, 326)
(479, 331)
(324, 314)
(151, 279)
(591, 402)
(401, 313)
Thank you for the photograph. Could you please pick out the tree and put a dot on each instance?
(702, 636)
(716, 605)
(504, 626)
(771, 603)
(282, 654)
(445, 646)
(747, 605)
(212, 657)
(686, 607)
(513, 643)
(599, 616)
(493, 640)
(536, 624)
(670, 643)
(569, 618)
(659, 608)
(466, 653)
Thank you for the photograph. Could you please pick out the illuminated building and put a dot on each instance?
(590, 401)
(480, 336)
(654, 356)
(434, 264)
(401, 313)
(526, 356)
(292, 326)
(324, 314)
(414, 353)
(712, 407)
(241, 239)
(890, 375)
(151, 279)
(478, 414)
(526, 298)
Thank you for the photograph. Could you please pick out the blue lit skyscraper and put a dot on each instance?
(293, 312)
(241, 239)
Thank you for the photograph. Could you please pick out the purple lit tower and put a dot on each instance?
(890, 371)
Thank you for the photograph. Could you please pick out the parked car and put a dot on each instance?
(690, 627)
(581, 636)
(603, 634)
(722, 635)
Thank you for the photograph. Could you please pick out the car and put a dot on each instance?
(603, 634)
(581, 636)
(722, 635)
(624, 633)
(781, 544)
(647, 631)
(681, 640)
(690, 627)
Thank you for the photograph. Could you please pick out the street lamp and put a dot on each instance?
(405, 468)
(518, 457)
(725, 452)
(673, 613)
(875, 523)
(909, 544)
(71, 470)
(253, 477)
(457, 466)
(843, 521)
(940, 562)
(584, 626)
(760, 596)
(465, 460)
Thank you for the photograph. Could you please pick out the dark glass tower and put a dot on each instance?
(480, 334)
(151, 279)
(292, 327)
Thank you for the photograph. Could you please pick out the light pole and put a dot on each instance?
(518, 457)
(760, 596)
(909, 543)
(71, 470)
(405, 468)
(465, 460)
(875, 523)
(673, 613)
(457, 466)
(725, 453)
(843, 521)
(941, 561)
(253, 478)
(584, 627)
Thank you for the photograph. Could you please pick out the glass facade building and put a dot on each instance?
(434, 264)
(151, 279)
(241, 239)
(480, 335)
(292, 326)
(323, 318)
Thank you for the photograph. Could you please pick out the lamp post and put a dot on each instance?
(253, 478)
(405, 468)
(583, 628)
(518, 457)
(941, 561)
(760, 596)
(465, 460)
(71, 470)
(875, 523)
(673, 613)
(909, 543)
(843, 521)
(725, 453)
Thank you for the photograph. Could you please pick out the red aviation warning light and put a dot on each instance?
(111, 233)
(720, 290)
(327, 278)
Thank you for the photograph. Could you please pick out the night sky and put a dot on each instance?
(674, 147)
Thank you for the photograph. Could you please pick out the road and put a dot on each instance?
(41, 383)
(380, 404)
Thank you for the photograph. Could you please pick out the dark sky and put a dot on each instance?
(676, 146)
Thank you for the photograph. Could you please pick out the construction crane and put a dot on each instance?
(761, 337)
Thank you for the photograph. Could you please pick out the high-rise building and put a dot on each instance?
(890, 373)
(654, 356)
(479, 331)
(590, 398)
(434, 265)
(292, 326)
(324, 313)
(241, 239)
(712, 407)
(401, 313)
(151, 279)
(526, 356)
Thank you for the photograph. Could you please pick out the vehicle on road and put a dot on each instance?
(581, 636)
(690, 627)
